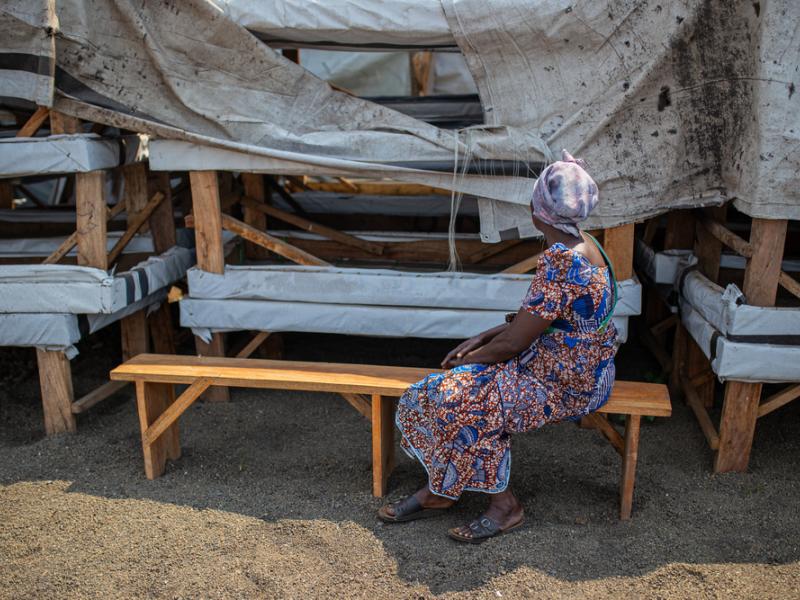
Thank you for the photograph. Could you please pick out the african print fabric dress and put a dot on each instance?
(458, 423)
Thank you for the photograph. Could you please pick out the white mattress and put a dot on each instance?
(57, 154)
(207, 316)
(85, 290)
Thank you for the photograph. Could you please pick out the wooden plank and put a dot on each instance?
(208, 219)
(175, 410)
(524, 266)
(152, 400)
(790, 284)
(490, 250)
(695, 402)
(763, 269)
(253, 344)
(55, 381)
(627, 397)
(91, 214)
(33, 124)
(360, 402)
(629, 459)
(135, 223)
(255, 189)
(680, 230)
(134, 334)
(737, 426)
(618, 244)
(382, 443)
(135, 191)
(273, 244)
(311, 227)
(779, 399)
(97, 395)
(725, 235)
(162, 221)
(601, 424)
(214, 348)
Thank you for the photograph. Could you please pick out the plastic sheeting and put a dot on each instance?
(82, 290)
(379, 287)
(206, 316)
(53, 155)
(363, 204)
(45, 331)
(663, 267)
(673, 105)
(41, 247)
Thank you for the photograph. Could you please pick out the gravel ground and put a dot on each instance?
(271, 499)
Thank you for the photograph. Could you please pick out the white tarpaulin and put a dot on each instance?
(672, 104)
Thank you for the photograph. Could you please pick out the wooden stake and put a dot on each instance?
(55, 380)
(91, 213)
(208, 221)
(34, 123)
(311, 227)
(618, 244)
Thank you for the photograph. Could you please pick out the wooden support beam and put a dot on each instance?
(763, 268)
(33, 124)
(255, 189)
(253, 344)
(311, 227)
(72, 240)
(135, 223)
(725, 235)
(360, 402)
(421, 69)
(664, 325)
(376, 188)
(524, 266)
(779, 399)
(91, 215)
(135, 191)
(161, 332)
(208, 219)
(162, 221)
(489, 250)
(650, 230)
(680, 230)
(55, 380)
(97, 395)
(6, 195)
(618, 244)
(134, 334)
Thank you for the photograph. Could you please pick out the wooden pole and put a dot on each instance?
(162, 221)
(210, 256)
(91, 215)
(255, 189)
(618, 244)
(740, 408)
(55, 379)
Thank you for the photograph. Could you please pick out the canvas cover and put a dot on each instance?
(673, 104)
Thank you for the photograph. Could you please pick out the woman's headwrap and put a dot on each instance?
(564, 194)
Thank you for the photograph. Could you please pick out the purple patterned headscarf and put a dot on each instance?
(564, 194)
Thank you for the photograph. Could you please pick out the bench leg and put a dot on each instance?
(152, 400)
(629, 458)
(382, 443)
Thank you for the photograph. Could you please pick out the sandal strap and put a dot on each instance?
(483, 527)
(406, 506)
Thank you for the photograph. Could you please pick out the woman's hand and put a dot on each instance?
(456, 355)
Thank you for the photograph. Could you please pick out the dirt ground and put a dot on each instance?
(271, 500)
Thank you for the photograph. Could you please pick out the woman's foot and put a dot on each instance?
(505, 513)
(423, 503)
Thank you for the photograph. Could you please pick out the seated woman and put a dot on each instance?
(553, 361)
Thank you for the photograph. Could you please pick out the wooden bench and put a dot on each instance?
(370, 389)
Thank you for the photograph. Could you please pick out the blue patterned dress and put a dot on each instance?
(458, 423)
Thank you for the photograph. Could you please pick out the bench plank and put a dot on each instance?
(628, 397)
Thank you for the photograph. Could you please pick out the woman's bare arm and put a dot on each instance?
(472, 343)
(512, 340)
